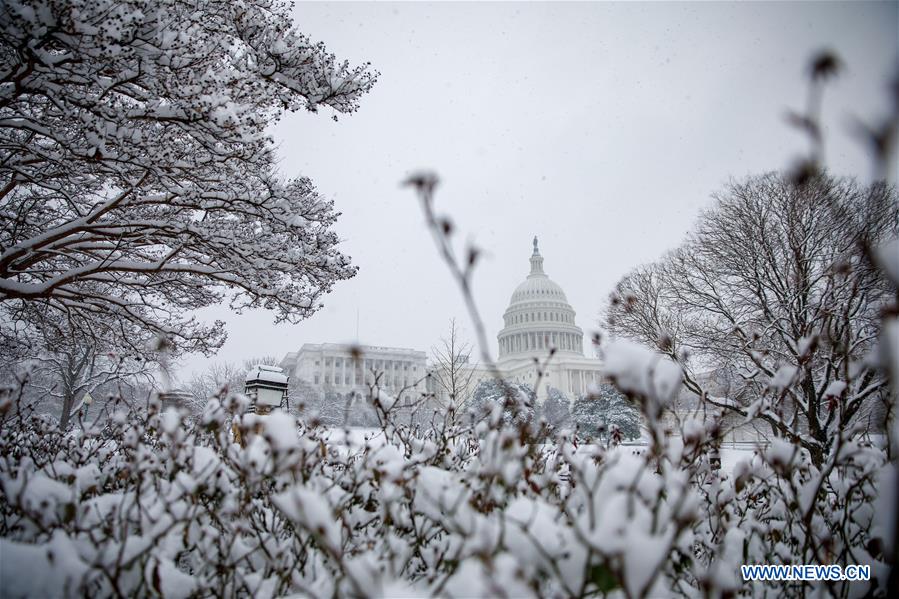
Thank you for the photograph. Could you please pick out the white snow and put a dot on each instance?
(888, 257)
(835, 388)
(783, 377)
(635, 368)
(45, 570)
(312, 511)
(271, 374)
(280, 430)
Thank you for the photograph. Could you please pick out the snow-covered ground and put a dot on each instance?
(357, 438)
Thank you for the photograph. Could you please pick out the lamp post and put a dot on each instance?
(266, 386)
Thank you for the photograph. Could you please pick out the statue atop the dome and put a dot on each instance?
(536, 261)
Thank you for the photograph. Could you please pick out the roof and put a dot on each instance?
(363, 349)
(270, 374)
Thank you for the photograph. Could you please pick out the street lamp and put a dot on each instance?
(266, 386)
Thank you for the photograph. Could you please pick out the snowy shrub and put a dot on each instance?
(153, 503)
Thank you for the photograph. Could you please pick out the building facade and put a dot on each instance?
(348, 368)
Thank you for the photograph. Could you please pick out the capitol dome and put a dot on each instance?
(538, 318)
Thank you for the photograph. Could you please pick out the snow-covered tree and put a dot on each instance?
(71, 373)
(556, 408)
(775, 286)
(66, 367)
(452, 370)
(517, 401)
(138, 181)
(354, 409)
(605, 410)
(218, 377)
(221, 378)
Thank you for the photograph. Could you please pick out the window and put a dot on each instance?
(316, 379)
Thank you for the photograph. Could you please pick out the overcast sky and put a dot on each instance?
(602, 128)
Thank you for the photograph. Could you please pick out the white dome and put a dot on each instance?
(538, 288)
(538, 318)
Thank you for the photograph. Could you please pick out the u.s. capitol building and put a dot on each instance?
(538, 319)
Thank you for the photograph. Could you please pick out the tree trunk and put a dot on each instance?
(68, 401)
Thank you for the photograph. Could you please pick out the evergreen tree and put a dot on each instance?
(557, 408)
(607, 410)
(492, 392)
